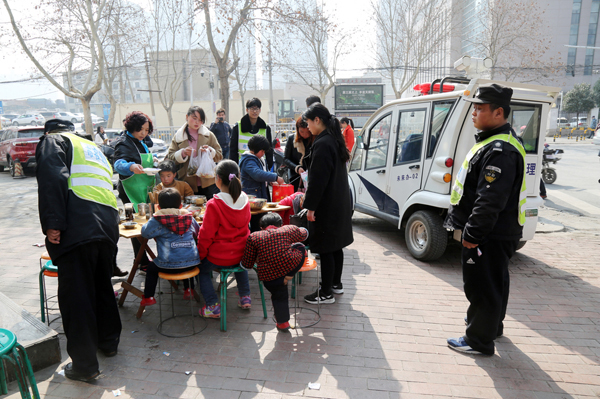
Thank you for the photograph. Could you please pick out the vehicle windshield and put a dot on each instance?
(24, 134)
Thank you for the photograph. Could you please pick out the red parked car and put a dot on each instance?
(19, 143)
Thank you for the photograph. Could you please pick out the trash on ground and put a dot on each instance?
(314, 385)
(117, 392)
(134, 331)
(166, 354)
(61, 372)
(39, 245)
(188, 372)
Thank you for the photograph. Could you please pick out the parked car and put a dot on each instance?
(66, 116)
(19, 144)
(95, 123)
(159, 148)
(562, 122)
(48, 115)
(29, 120)
(10, 116)
(582, 122)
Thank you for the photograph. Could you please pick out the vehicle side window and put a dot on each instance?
(410, 136)
(441, 111)
(379, 138)
(357, 159)
(525, 120)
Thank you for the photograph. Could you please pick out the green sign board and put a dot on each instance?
(358, 97)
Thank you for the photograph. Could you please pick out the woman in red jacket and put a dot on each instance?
(222, 237)
(348, 132)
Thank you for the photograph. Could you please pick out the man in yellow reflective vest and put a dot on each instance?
(487, 204)
(250, 125)
(79, 216)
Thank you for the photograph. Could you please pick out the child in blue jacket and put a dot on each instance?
(255, 177)
(176, 233)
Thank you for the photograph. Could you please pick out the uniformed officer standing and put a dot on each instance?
(488, 205)
(80, 218)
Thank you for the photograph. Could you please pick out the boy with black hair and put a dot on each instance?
(310, 100)
(168, 172)
(254, 174)
(278, 254)
(177, 252)
(249, 126)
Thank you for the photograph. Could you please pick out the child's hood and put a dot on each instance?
(234, 212)
(247, 156)
(176, 220)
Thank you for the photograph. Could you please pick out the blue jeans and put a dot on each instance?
(206, 285)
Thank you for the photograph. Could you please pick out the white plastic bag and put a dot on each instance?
(194, 163)
(304, 177)
(207, 166)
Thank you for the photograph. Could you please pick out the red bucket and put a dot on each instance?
(281, 191)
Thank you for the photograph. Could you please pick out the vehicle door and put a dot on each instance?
(9, 137)
(412, 134)
(373, 177)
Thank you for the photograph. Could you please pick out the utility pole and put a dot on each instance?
(149, 86)
(271, 105)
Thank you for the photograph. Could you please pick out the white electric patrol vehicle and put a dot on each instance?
(409, 152)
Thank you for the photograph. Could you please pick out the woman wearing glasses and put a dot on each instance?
(297, 149)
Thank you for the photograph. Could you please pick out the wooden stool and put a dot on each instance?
(46, 270)
(309, 264)
(12, 353)
(172, 277)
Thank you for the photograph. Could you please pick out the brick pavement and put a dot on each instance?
(383, 338)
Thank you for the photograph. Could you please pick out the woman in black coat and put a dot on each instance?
(296, 148)
(328, 201)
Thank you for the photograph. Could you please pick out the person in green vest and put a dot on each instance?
(250, 125)
(79, 216)
(487, 204)
(131, 157)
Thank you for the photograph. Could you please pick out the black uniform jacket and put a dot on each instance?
(489, 207)
(128, 149)
(234, 154)
(79, 221)
(328, 195)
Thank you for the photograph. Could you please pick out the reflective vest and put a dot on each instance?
(91, 173)
(244, 137)
(457, 189)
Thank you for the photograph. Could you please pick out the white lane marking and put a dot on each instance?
(577, 203)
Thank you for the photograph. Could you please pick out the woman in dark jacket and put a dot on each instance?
(328, 201)
(297, 147)
(131, 157)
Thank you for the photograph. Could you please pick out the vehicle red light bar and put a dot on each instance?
(424, 88)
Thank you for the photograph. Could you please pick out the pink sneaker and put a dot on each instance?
(245, 302)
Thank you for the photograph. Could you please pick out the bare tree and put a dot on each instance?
(71, 30)
(122, 42)
(319, 44)
(170, 39)
(410, 33)
(514, 35)
(245, 66)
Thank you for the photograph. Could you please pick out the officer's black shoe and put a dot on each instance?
(74, 375)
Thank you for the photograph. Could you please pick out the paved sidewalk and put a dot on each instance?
(385, 337)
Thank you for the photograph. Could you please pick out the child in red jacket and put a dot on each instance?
(278, 253)
(222, 237)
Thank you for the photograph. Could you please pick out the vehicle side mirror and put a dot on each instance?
(363, 146)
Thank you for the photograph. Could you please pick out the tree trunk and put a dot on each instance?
(113, 111)
(170, 115)
(224, 90)
(87, 116)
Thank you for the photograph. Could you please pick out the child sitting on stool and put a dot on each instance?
(176, 233)
(278, 253)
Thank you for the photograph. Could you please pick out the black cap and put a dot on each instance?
(58, 124)
(492, 94)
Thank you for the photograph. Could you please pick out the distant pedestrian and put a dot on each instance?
(593, 126)
(488, 205)
(328, 201)
(310, 100)
(79, 216)
(222, 132)
(348, 132)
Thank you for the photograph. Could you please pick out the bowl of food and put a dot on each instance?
(251, 197)
(257, 204)
(272, 204)
(129, 225)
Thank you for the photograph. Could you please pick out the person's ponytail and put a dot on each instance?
(336, 130)
(229, 173)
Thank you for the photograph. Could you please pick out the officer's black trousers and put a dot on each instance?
(486, 284)
(87, 303)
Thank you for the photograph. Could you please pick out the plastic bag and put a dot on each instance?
(280, 191)
(207, 165)
(304, 177)
(194, 163)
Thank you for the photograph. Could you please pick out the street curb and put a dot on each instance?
(549, 226)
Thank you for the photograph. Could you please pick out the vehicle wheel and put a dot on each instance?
(73, 120)
(549, 176)
(425, 235)
(521, 244)
(34, 123)
(15, 123)
(11, 166)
